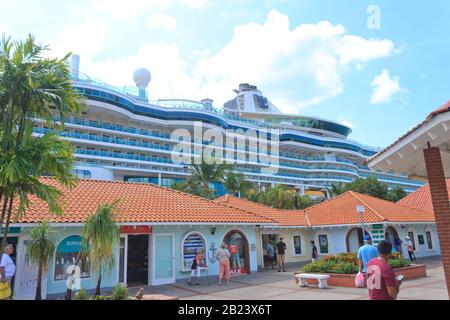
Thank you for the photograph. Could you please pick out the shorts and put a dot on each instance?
(196, 272)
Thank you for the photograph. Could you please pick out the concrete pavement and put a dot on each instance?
(272, 285)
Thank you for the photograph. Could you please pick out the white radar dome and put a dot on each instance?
(142, 78)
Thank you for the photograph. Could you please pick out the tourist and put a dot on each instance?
(270, 254)
(381, 281)
(281, 252)
(366, 253)
(410, 245)
(223, 255)
(196, 268)
(314, 253)
(7, 266)
(399, 245)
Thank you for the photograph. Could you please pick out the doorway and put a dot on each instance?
(355, 239)
(137, 260)
(163, 259)
(271, 239)
(240, 254)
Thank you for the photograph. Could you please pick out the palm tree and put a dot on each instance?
(40, 250)
(304, 202)
(337, 189)
(32, 87)
(20, 174)
(205, 173)
(237, 184)
(101, 233)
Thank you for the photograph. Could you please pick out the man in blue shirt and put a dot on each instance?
(366, 253)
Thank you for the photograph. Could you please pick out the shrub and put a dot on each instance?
(100, 298)
(81, 295)
(399, 263)
(120, 292)
(396, 256)
(343, 263)
(346, 263)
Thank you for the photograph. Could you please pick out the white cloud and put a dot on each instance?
(346, 122)
(300, 66)
(127, 9)
(385, 87)
(295, 67)
(197, 4)
(162, 20)
(86, 39)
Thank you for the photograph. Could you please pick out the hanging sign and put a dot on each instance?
(135, 229)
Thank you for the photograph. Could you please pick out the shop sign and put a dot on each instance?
(135, 229)
(11, 230)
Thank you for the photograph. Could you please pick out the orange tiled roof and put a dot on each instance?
(139, 203)
(421, 198)
(286, 218)
(342, 210)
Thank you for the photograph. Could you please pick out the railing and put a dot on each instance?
(167, 148)
(216, 111)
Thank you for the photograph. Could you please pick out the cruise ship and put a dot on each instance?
(125, 136)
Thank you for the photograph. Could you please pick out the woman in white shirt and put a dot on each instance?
(7, 266)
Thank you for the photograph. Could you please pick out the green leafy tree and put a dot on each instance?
(370, 186)
(32, 88)
(304, 202)
(101, 233)
(396, 194)
(202, 175)
(237, 184)
(337, 189)
(40, 250)
(281, 197)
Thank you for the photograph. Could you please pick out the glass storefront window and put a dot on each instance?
(297, 245)
(323, 243)
(66, 255)
(191, 244)
(238, 246)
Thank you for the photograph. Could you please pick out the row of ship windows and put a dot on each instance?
(284, 179)
(166, 147)
(164, 159)
(167, 135)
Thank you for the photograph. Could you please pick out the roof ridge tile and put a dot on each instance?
(357, 196)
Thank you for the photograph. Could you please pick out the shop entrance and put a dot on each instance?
(355, 239)
(269, 240)
(240, 253)
(137, 260)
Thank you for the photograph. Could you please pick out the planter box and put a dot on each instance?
(348, 280)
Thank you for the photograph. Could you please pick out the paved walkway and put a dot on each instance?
(272, 285)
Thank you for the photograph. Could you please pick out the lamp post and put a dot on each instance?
(361, 210)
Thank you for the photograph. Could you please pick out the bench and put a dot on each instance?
(322, 279)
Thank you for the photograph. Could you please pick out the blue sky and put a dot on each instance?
(309, 57)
